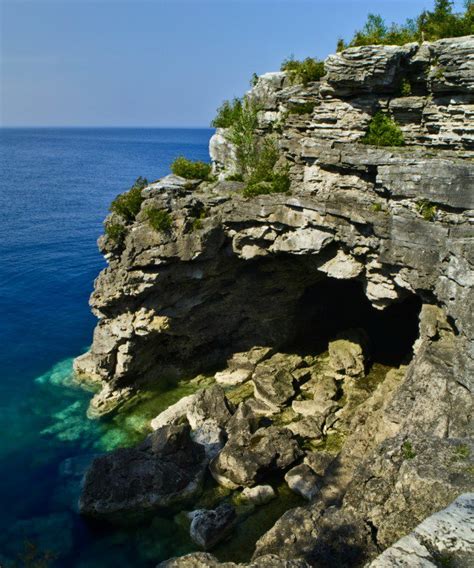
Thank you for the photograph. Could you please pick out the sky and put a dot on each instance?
(163, 63)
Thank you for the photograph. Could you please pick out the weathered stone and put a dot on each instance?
(205, 560)
(129, 483)
(443, 538)
(368, 69)
(232, 377)
(244, 461)
(342, 266)
(303, 481)
(170, 182)
(258, 495)
(274, 389)
(348, 353)
(209, 527)
(223, 156)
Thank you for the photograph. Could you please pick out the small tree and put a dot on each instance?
(383, 131)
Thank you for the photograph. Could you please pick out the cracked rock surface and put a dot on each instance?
(265, 294)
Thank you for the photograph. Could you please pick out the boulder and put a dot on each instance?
(208, 527)
(207, 412)
(258, 495)
(308, 427)
(273, 388)
(232, 377)
(244, 461)
(303, 481)
(130, 483)
(273, 379)
(348, 353)
(244, 422)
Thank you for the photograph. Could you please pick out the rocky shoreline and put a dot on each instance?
(335, 323)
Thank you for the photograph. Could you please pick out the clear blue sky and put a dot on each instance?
(158, 62)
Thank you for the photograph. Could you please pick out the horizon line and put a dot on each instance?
(4, 127)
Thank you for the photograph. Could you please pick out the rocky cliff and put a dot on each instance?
(360, 304)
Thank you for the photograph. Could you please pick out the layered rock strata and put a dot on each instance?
(348, 249)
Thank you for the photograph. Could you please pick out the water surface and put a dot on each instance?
(55, 189)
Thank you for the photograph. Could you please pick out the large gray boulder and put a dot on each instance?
(245, 460)
(129, 484)
(208, 527)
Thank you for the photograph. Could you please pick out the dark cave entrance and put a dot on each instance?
(332, 306)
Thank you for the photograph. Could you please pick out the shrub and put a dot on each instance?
(405, 88)
(305, 71)
(115, 231)
(426, 209)
(256, 155)
(128, 204)
(254, 80)
(158, 219)
(197, 223)
(429, 25)
(243, 135)
(227, 114)
(383, 131)
(408, 452)
(279, 183)
(376, 207)
(235, 177)
(191, 170)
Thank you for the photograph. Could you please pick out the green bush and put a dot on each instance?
(227, 114)
(235, 177)
(256, 154)
(428, 26)
(243, 135)
(408, 452)
(305, 71)
(115, 231)
(426, 209)
(405, 88)
(158, 219)
(383, 131)
(128, 204)
(191, 170)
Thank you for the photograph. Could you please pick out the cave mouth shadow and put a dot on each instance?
(332, 306)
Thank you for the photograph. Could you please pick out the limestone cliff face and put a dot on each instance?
(233, 273)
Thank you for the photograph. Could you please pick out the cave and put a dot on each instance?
(332, 306)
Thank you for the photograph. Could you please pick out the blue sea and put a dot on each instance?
(56, 186)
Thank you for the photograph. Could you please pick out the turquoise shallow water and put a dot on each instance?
(55, 188)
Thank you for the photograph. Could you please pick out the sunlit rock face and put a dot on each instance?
(351, 261)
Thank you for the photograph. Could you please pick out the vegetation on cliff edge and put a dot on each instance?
(439, 23)
(190, 169)
(304, 72)
(128, 204)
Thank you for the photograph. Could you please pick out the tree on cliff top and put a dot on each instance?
(429, 25)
